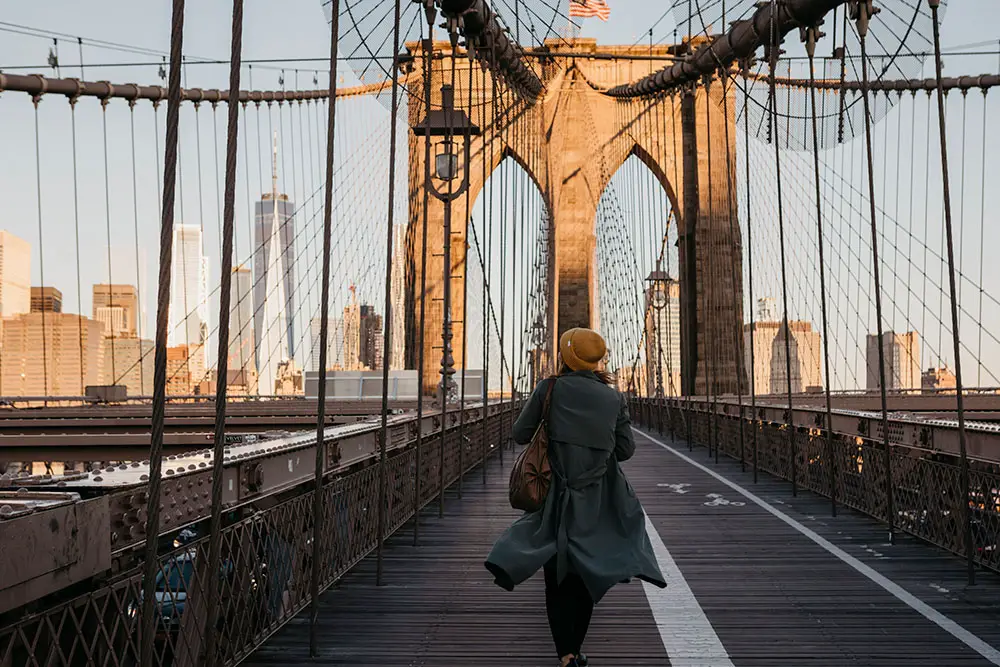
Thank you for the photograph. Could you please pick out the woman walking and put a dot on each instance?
(591, 532)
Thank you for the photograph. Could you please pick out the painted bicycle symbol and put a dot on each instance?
(717, 500)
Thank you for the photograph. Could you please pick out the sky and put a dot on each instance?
(292, 29)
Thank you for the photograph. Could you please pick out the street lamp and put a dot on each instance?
(446, 161)
(450, 125)
(659, 299)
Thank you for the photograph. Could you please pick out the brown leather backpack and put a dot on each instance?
(531, 475)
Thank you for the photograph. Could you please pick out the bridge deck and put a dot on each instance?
(757, 577)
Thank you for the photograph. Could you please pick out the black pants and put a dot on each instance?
(569, 607)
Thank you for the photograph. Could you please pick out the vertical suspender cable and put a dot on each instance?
(949, 236)
(428, 48)
(811, 35)
(487, 308)
(862, 12)
(982, 240)
(487, 153)
(736, 294)
(502, 334)
(712, 383)
(320, 463)
(138, 276)
(107, 221)
(149, 610)
(465, 303)
(387, 329)
(774, 48)
(41, 253)
(76, 222)
(745, 67)
(229, 212)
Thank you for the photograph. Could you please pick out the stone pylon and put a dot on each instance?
(570, 143)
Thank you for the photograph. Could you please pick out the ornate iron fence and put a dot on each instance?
(266, 563)
(925, 487)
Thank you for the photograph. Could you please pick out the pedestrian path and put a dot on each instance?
(756, 578)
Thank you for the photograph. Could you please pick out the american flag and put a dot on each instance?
(589, 8)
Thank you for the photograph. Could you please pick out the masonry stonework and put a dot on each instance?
(571, 142)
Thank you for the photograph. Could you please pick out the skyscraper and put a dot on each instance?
(371, 340)
(757, 357)
(274, 252)
(121, 304)
(129, 361)
(242, 351)
(804, 351)
(334, 343)
(188, 323)
(15, 275)
(663, 335)
(397, 305)
(46, 299)
(352, 334)
(934, 379)
(45, 355)
(272, 343)
(902, 360)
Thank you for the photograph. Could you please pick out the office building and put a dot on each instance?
(129, 362)
(289, 379)
(936, 379)
(371, 339)
(273, 269)
(804, 352)
(188, 323)
(242, 351)
(112, 318)
(902, 360)
(360, 334)
(397, 305)
(186, 372)
(757, 357)
(272, 340)
(663, 335)
(351, 351)
(117, 306)
(51, 354)
(15, 275)
(46, 300)
(334, 344)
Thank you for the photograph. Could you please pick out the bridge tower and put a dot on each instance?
(571, 142)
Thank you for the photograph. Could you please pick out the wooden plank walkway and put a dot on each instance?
(769, 593)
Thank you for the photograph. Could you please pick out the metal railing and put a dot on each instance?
(266, 564)
(926, 483)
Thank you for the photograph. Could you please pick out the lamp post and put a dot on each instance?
(658, 299)
(448, 124)
(451, 126)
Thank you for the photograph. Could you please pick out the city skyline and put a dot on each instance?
(355, 338)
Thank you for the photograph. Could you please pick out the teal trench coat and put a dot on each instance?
(591, 521)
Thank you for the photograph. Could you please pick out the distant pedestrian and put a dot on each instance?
(591, 532)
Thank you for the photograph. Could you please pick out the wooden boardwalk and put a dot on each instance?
(759, 578)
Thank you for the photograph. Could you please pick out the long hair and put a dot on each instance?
(602, 375)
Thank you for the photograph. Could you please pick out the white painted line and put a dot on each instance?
(687, 636)
(930, 613)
